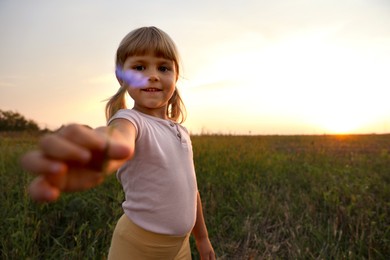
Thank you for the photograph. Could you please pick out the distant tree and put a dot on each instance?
(13, 121)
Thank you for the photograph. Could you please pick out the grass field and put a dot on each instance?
(264, 197)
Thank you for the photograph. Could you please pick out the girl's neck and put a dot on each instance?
(159, 113)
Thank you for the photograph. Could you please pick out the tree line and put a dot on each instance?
(13, 121)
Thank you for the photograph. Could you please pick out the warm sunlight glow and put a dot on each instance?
(282, 68)
(305, 78)
(338, 124)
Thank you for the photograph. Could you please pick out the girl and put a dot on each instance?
(146, 144)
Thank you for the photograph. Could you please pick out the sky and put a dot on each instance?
(248, 67)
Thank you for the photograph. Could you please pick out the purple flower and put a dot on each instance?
(132, 78)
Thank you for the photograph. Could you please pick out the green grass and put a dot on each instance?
(299, 197)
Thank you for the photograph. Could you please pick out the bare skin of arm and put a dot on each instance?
(201, 235)
(77, 158)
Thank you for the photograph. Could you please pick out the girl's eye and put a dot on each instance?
(164, 68)
(139, 67)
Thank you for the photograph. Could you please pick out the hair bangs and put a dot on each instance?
(147, 40)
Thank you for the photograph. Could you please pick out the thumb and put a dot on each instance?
(117, 150)
(113, 151)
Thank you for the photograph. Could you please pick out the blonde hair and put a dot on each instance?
(143, 41)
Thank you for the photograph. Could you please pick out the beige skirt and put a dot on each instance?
(130, 241)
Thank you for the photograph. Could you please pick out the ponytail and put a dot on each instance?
(116, 102)
(176, 109)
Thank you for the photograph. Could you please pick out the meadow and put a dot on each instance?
(264, 197)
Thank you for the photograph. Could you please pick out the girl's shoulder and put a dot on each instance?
(125, 113)
(143, 121)
(132, 114)
(128, 114)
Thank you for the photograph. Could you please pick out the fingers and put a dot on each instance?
(82, 179)
(40, 190)
(54, 172)
(72, 143)
(36, 162)
(83, 136)
(57, 147)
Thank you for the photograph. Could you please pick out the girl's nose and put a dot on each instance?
(153, 75)
(153, 78)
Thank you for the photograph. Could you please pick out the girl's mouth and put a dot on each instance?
(151, 89)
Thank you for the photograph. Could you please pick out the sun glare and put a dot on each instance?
(339, 125)
(306, 79)
(338, 119)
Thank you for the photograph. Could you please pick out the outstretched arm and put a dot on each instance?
(201, 235)
(77, 158)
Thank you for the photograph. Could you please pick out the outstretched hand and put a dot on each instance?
(75, 158)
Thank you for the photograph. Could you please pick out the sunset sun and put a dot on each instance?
(338, 124)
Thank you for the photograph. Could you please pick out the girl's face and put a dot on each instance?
(161, 74)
